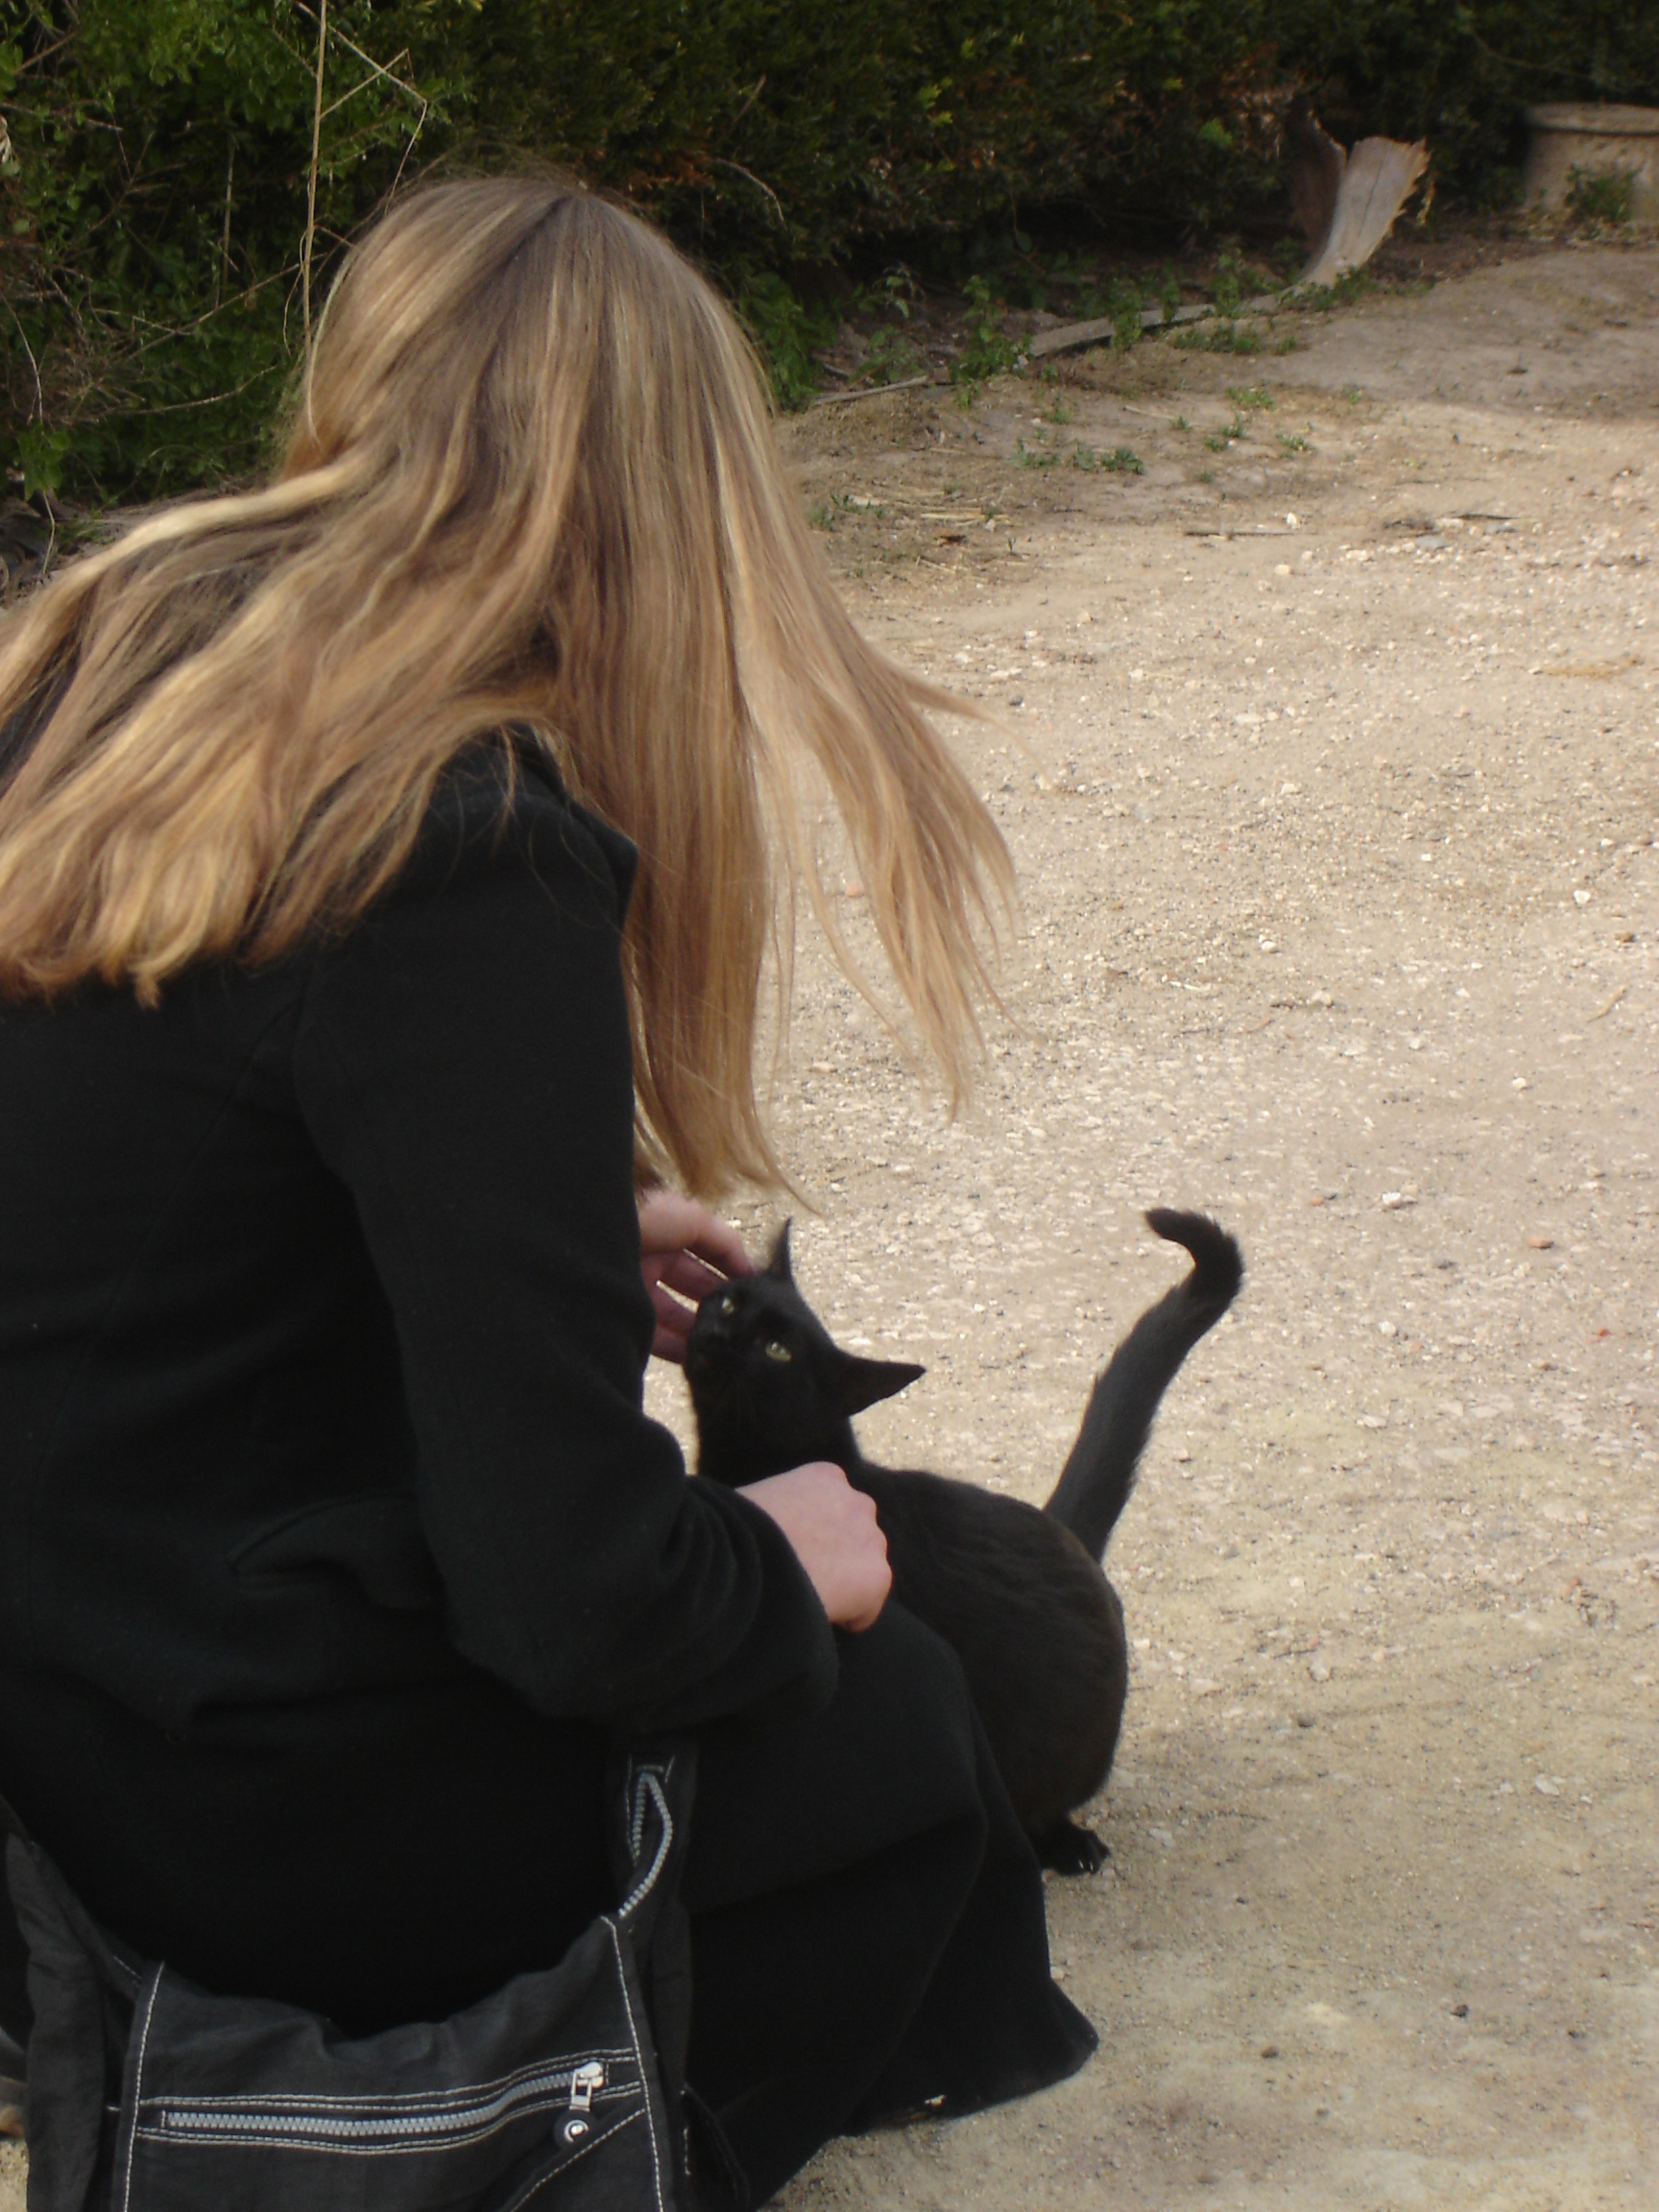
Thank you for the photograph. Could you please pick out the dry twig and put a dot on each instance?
(311, 173)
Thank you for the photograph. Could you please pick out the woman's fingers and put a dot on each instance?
(834, 1533)
(666, 1274)
(691, 1277)
(670, 1223)
(673, 1324)
(684, 1252)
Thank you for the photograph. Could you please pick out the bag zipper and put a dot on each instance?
(584, 2081)
(318, 2129)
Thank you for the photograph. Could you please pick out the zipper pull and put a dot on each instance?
(584, 2080)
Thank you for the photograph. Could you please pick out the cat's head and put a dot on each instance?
(770, 1386)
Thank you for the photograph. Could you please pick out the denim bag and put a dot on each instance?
(148, 2094)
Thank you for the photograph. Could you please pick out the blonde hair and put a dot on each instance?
(530, 479)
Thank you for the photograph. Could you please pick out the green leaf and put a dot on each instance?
(41, 453)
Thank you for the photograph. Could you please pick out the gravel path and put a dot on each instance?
(1340, 912)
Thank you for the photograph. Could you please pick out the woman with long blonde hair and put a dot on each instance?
(388, 858)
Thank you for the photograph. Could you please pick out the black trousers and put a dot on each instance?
(867, 1924)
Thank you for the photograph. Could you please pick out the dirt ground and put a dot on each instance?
(1341, 910)
(1341, 906)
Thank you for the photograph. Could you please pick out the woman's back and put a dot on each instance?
(293, 1265)
(194, 1354)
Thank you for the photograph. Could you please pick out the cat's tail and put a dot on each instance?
(1095, 1486)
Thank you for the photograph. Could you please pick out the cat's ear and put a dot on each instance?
(777, 1267)
(862, 1382)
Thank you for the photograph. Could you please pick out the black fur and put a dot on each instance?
(1018, 1592)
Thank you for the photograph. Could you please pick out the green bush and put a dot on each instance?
(153, 214)
(1460, 74)
(154, 204)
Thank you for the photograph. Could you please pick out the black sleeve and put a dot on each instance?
(462, 1064)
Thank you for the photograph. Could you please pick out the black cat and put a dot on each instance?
(1018, 1592)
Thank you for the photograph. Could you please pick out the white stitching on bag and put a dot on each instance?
(640, 2058)
(138, 2089)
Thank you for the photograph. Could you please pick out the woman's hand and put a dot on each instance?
(834, 1533)
(684, 1248)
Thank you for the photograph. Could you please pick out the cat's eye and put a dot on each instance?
(727, 1303)
(776, 1351)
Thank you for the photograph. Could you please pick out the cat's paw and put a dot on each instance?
(1070, 1849)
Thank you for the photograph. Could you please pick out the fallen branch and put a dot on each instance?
(1101, 329)
(1070, 338)
(873, 391)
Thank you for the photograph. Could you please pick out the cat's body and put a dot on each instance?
(1019, 1592)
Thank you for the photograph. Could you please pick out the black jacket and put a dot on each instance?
(322, 1330)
